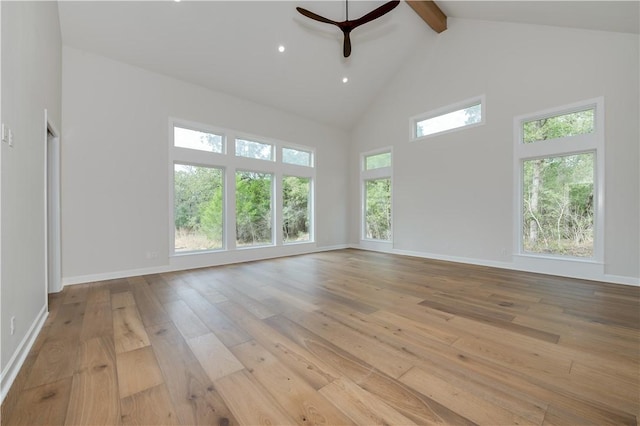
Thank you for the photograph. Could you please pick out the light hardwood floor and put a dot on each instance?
(339, 337)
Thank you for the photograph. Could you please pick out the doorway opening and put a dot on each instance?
(52, 205)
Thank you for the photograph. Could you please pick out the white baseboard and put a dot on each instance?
(83, 279)
(257, 254)
(595, 276)
(12, 368)
(193, 261)
(457, 259)
(618, 279)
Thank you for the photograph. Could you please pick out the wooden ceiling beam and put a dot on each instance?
(429, 11)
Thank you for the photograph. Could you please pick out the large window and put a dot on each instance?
(559, 158)
(232, 191)
(377, 215)
(198, 208)
(375, 178)
(296, 205)
(254, 218)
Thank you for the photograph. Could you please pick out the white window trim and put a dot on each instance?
(230, 163)
(413, 121)
(592, 142)
(372, 174)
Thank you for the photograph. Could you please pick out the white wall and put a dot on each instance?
(453, 194)
(115, 183)
(31, 82)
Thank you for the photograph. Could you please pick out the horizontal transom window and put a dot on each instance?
(559, 126)
(448, 118)
(253, 149)
(200, 140)
(299, 157)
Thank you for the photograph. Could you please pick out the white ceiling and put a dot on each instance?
(231, 46)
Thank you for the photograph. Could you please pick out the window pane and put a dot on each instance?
(296, 156)
(198, 208)
(378, 209)
(253, 209)
(560, 126)
(295, 209)
(193, 139)
(558, 205)
(452, 120)
(377, 161)
(251, 149)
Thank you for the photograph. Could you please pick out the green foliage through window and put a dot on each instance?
(296, 156)
(377, 161)
(198, 204)
(295, 208)
(559, 126)
(378, 209)
(251, 149)
(558, 205)
(253, 209)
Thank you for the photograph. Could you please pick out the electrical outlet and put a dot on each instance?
(13, 325)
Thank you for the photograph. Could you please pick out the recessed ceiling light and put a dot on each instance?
(281, 48)
(345, 80)
(177, 1)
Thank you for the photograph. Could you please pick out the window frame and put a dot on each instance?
(444, 110)
(369, 175)
(569, 145)
(230, 163)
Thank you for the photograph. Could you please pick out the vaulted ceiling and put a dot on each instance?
(232, 46)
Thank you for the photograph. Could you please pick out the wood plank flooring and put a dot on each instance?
(341, 337)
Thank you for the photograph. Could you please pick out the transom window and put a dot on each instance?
(377, 161)
(296, 156)
(253, 149)
(559, 126)
(449, 118)
(196, 139)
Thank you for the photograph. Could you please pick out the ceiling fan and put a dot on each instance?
(347, 26)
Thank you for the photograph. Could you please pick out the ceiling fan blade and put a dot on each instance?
(346, 46)
(315, 16)
(375, 13)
